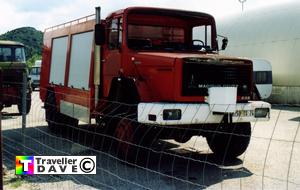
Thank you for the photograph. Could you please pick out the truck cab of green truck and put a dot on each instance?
(13, 66)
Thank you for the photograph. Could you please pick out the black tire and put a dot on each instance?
(105, 132)
(126, 135)
(183, 139)
(124, 97)
(32, 87)
(28, 104)
(55, 119)
(132, 140)
(230, 140)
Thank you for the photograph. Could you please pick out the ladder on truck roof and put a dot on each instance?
(71, 23)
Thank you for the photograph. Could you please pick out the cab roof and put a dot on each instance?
(161, 11)
(13, 43)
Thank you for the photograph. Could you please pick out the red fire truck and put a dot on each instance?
(149, 73)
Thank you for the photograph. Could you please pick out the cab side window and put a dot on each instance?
(115, 34)
(203, 33)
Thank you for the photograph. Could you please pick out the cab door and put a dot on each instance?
(112, 53)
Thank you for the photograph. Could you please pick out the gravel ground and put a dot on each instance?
(270, 162)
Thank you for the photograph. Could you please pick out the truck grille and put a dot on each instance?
(12, 77)
(198, 76)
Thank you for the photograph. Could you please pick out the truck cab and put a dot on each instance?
(171, 56)
(13, 65)
(143, 41)
(34, 74)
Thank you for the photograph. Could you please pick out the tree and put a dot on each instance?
(31, 61)
(30, 37)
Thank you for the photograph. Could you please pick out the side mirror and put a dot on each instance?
(99, 34)
(224, 43)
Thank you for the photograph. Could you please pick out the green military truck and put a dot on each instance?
(13, 65)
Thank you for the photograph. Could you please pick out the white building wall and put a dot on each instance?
(271, 33)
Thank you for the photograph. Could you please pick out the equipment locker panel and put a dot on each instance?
(80, 61)
(58, 60)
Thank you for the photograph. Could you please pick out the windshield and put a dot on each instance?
(12, 54)
(35, 71)
(155, 37)
(167, 33)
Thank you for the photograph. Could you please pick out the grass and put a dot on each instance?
(14, 182)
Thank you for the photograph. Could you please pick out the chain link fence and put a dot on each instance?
(142, 160)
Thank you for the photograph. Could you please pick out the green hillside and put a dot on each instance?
(30, 37)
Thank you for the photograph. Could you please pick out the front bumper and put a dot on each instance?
(154, 113)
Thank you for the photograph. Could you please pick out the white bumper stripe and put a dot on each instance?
(198, 113)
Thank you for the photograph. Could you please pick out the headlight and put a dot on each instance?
(262, 112)
(172, 114)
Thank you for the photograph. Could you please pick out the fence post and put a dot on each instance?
(1, 144)
(24, 97)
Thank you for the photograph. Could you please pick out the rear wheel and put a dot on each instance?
(230, 140)
(55, 119)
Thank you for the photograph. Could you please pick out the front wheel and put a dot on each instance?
(127, 139)
(230, 140)
(28, 104)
